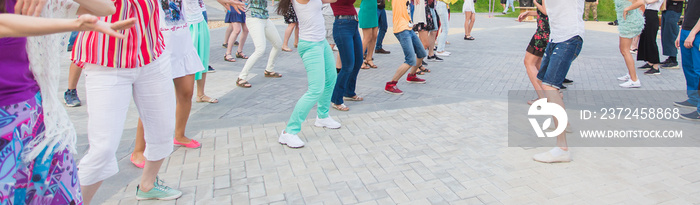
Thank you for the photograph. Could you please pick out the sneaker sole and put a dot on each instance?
(691, 119)
(162, 199)
(416, 82)
(672, 67)
(323, 126)
(393, 93)
(652, 73)
(70, 105)
(282, 143)
(552, 161)
(683, 106)
(632, 86)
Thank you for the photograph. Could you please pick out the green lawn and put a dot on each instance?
(606, 8)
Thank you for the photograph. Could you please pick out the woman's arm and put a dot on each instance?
(540, 7)
(636, 4)
(329, 1)
(12, 25)
(96, 7)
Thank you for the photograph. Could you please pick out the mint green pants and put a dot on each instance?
(320, 70)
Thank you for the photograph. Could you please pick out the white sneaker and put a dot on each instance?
(444, 53)
(631, 84)
(327, 123)
(624, 78)
(552, 156)
(292, 141)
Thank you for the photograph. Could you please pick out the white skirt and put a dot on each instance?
(183, 56)
(468, 6)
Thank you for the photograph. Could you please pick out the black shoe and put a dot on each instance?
(694, 116)
(424, 63)
(235, 43)
(567, 81)
(71, 98)
(670, 65)
(652, 71)
(562, 87)
(382, 51)
(434, 58)
(645, 66)
(685, 104)
(211, 70)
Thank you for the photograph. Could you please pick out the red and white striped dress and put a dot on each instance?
(143, 43)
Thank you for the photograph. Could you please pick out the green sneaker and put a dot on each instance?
(159, 191)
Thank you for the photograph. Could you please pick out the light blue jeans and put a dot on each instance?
(442, 12)
(509, 3)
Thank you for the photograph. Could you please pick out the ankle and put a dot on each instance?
(146, 187)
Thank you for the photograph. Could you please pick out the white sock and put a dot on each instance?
(557, 151)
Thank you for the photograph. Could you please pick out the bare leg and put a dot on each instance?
(405, 67)
(532, 67)
(200, 89)
(148, 176)
(554, 96)
(89, 191)
(296, 35)
(635, 43)
(287, 35)
(73, 76)
(629, 61)
(232, 38)
(183, 92)
(338, 63)
(431, 42)
(244, 36)
(372, 43)
(467, 24)
(229, 29)
(471, 23)
(139, 144)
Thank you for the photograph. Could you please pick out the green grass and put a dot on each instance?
(606, 8)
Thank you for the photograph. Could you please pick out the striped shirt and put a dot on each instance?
(143, 43)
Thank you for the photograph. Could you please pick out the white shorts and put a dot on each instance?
(183, 56)
(468, 6)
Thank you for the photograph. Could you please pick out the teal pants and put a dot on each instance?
(320, 70)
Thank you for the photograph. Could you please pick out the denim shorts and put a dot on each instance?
(557, 61)
(411, 45)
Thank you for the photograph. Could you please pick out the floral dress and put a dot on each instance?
(538, 43)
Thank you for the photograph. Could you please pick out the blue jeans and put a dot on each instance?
(381, 13)
(411, 45)
(555, 65)
(347, 38)
(669, 32)
(691, 67)
(71, 40)
(206, 18)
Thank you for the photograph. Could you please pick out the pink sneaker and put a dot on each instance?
(392, 89)
(412, 78)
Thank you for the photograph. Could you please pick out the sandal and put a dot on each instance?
(229, 58)
(242, 83)
(225, 45)
(287, 49)
(340, 107)
(471, 38)
(201, 99)
(371, 65)
(423, 69)
(272, 74)
(353, 98)
(364, 65)
(419, 72)
(240, 55)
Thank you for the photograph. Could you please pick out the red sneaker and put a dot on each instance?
(412, 78)
(392, 89)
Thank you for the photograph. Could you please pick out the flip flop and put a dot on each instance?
(200, 99)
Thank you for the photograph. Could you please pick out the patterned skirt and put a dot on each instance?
(50, 181)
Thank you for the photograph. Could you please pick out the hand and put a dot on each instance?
(522, 16)
(624, 14)
(237, 5)
(596, 3)
(92, 23)
(678, 39)
(29, 7)
(689, 41)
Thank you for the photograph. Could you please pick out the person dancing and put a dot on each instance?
(369, 23)
(381, 14)
(39, 155)
(631, 23)
(261, 28)
(443, 14)
(290, 18)
(199, 30)
(429, 32)
(238, 27)
(347, 38)
(319, 62)
(412, 48)
(648, 49)
(469, 18)
(538, 44)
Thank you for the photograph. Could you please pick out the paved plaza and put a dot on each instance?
(443, 142)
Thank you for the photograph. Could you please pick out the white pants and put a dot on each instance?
(261, 30)
(441, 9)
(109, 92)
